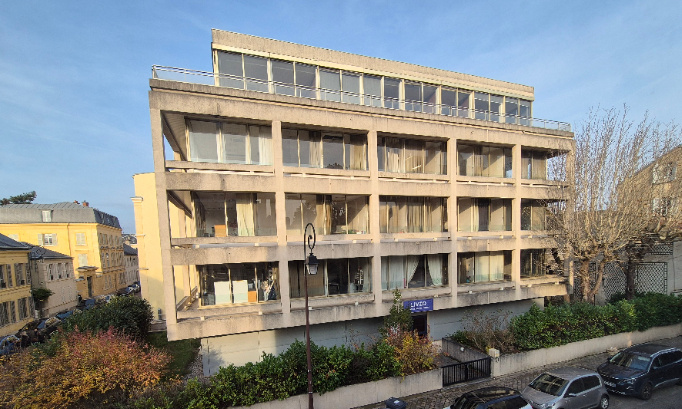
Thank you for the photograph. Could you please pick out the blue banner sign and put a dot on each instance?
(418, 305)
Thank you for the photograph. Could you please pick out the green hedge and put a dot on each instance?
(279, 377)
(130, 315)
(559, 325)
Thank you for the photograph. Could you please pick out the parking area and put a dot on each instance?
(668, 398)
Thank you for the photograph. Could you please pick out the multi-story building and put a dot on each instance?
(132, 272)
(53, 271)
(418, 179)
(91, 237)
(16, 303)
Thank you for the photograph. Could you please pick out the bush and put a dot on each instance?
(129, 315)
(559, 325)
(483, 330)
(97, 368)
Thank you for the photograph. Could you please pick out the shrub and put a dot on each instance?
(483, 330)
(97, 367)
(398, 318)
(414, 353)
(129, 315)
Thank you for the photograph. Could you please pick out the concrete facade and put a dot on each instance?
(387, 172)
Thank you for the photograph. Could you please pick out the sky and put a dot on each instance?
(74, 75)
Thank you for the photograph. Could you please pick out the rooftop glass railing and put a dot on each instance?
(274, 87)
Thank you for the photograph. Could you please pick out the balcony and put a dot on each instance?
(273, 87)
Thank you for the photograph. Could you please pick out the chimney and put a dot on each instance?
(85, 204)
(76, 202)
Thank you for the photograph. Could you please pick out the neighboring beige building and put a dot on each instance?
(91, 237)
(415, 178)
(132, 273)
(16, 302)
(53, 271)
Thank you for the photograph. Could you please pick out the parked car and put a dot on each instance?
(492, 397)
(567, 388)
(48, 326)
(9, 345)
(641, 369)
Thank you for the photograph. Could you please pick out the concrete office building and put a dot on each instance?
(418, 179)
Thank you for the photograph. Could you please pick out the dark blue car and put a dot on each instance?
(641, 369)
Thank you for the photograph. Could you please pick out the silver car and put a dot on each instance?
(567, 388)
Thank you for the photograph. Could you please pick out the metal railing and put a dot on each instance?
(303, 91)
(466, 371)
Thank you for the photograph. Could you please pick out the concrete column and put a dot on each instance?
(280, 212)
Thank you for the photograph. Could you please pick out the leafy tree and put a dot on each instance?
(398, 318)
(129, 315)
(41, 294)
(87, 369)
(23, 198)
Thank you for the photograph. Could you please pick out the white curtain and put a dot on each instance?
(265, 145)
(496, 165)
(396, 272)
(466, 211)
(496, 266)
(435, 262)
(481, 268)
(411, 267)
(315, 150)
(245, 214)
(384, 273)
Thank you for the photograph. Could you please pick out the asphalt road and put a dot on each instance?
(667, 398)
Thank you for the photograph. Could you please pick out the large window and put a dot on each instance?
(238, 283)
(5, 274)
(533, 263)
(403, 155)
(429, 270)
(491, 161)
(330, 214)
(315, 149)
(20, 273)
(224, 142)
(405, 214)
(334, 277)
(483, 214)
(484, 266)
(534, 164)
(533, 214)
(221, 214)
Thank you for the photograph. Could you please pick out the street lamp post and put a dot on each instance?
(311, 263)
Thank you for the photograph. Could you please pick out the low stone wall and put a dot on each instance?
(362, 394)
(510, 363)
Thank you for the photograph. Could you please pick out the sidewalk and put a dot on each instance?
(444, 397)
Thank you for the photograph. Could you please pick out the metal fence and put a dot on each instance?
(269, 86)
(466, 371)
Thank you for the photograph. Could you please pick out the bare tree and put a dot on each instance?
(609, 204)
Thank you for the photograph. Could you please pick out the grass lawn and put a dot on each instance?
(182, 352)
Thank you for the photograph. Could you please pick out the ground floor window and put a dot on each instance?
(334, 277)
(485, 266)
(237, 283)
(414, 271)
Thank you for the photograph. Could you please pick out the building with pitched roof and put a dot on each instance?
(91, 237)
(53, 271)
(16, 303)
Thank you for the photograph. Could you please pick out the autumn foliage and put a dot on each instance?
(97, 367)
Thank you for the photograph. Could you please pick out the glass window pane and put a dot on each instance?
(234, 143)
(290, 147)
(351, 88)
(413, 96)
(394, 158)
(203, 145)
(524, 112)
(338, 215)
(337, 276)
(230, 69)
(294, 218)
(305, 81)
(391, 93)
(372, 90)
(256, 73)
(304, 147)
(332, 151)
(358, 214)
(495, 105)
(511, 110)
(481, 105)
(429, 99)
(210, 210)
(330, 85)
(466, 158)
(463, 105)
(434, 158)
(448, 101)
(381, 153)
(414, 156)
(283, 77)
(265, 214)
